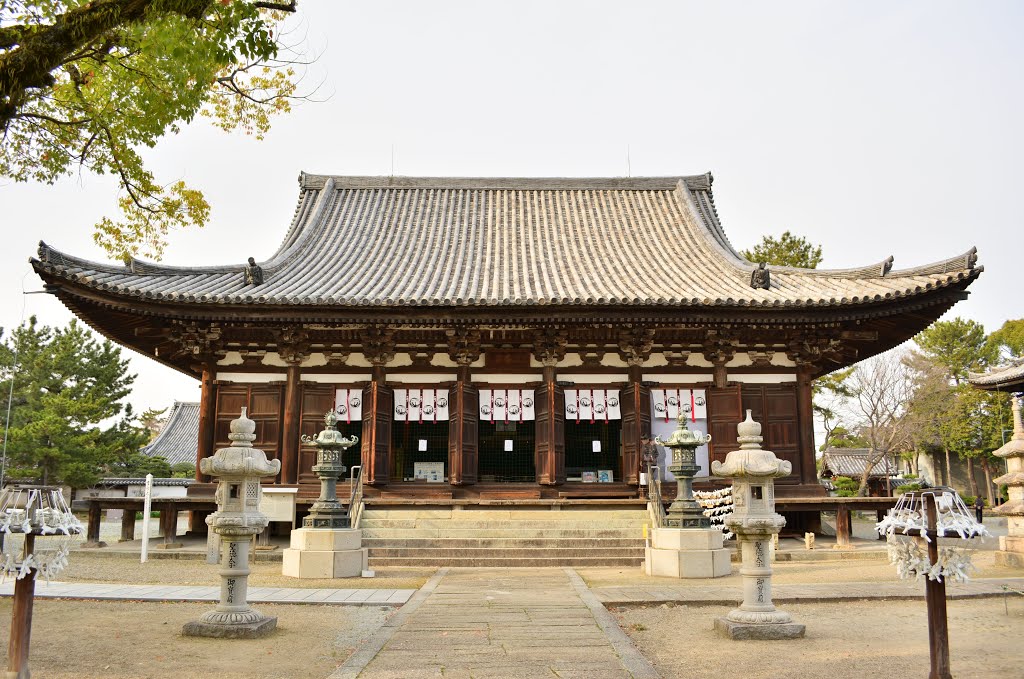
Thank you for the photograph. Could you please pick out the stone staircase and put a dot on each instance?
(474, 535)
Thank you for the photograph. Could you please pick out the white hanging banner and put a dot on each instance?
(421, 405)
(667, 403)
(592, 405)
(348, 405)
(506, 405)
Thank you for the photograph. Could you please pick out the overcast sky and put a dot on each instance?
(872, 128)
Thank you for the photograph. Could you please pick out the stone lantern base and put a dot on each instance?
(325, 553)
(740, 631)
(230, 630)
(687, 553)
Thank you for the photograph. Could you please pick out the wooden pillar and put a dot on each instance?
(291, 426)
(843, 526)
(378, 411)
(169, 526)
(127, 525)
(805, 417)
(636, 423)
(92, 531)
(207, 415)
(21, 620)
(935, 597)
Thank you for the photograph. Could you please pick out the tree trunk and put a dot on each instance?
(949, 469)
(915, 464)
(989, 491)
(970, 477)
(862, 491)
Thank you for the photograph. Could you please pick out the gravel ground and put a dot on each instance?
(849, 641)
(95, 566)
(131, 640)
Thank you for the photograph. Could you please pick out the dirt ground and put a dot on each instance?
(132, 640)
(791, 573)
(852, 640)
(94, 566)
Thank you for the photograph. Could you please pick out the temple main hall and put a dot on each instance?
(506, 338)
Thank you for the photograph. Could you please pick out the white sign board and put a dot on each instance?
(432, 472)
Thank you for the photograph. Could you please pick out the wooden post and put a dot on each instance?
(842, 526)
(127, 525)
(935, 596)
(21, 619)
(290, 429)
(92, 532)
(207, 416)
(169, 526)
(805, 417)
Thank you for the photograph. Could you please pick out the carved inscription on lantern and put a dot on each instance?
(759, 554)
(231, 590)
(760, 590)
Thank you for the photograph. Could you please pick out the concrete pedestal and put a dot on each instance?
(242, 630)
(687, 553)
(325, 553)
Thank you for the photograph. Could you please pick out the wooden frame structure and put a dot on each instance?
(463, 284)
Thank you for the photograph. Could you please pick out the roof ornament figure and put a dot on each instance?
(760, 278)
(887, 265)
(253, 273)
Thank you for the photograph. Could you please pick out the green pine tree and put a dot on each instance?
(68, 421)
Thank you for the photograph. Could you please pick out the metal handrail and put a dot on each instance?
(654, 490)
(355, 502)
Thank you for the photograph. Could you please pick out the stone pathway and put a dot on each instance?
(266, 595)
(718, 594)
(500, 623)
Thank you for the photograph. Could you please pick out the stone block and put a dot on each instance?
(298, 563)
(739, 631)
(1009, 559)
(348, 563)
(253, 630)
(321, 540)
(674, 563)
(686, 539)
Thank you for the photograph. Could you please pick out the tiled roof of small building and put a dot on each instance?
(414, 242)
(852, 461)
(178, 440)
(1007, 378)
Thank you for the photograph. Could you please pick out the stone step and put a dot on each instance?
(503, 543)
(443, 553)
(501, 562)
(402, 533)
(506, 514)
(519, 525)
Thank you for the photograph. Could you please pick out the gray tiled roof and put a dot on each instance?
(852, 461)
(399, 241)
(179, 439)
(113, 482)
(1009, 377)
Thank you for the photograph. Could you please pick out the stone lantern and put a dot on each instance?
(327, 546)
(687, 546)
(755, 523)
(238, 470)
(685, 511)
